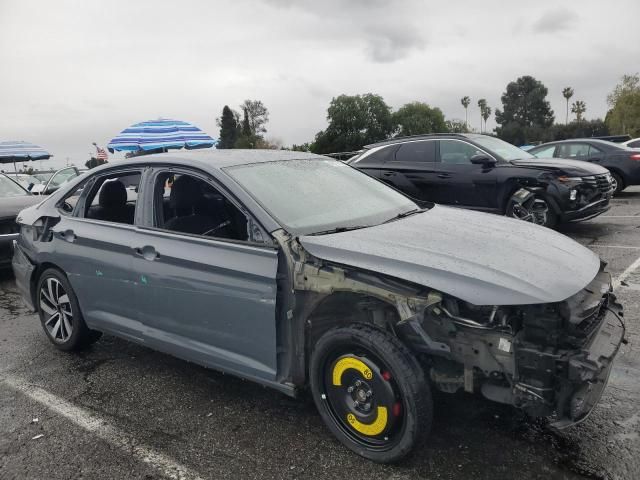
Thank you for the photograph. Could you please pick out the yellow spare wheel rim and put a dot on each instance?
(362, 398)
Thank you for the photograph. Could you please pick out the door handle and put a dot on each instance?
(444, 175)
(67, 235)
(147, 252)
(388, 174)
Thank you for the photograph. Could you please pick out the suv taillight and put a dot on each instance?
(635, 156)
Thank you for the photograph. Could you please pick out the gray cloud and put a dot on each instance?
(556, 20)
(79, 71)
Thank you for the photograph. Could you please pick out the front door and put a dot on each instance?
(204, 289)
(466, 184)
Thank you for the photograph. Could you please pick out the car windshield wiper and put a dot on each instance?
(339, 230)
(405, 214)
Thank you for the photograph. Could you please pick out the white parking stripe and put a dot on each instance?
(101, 429)
(614, 246)
(628, 271)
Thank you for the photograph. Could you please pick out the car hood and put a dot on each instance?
(480, 258)
(11, 206)
(569, 167)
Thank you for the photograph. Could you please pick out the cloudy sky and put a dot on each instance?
(74, 72)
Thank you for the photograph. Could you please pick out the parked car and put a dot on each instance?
(485, 173)
(633, 143)
(13, 198)
(50, 182)
(623, 162)
(25, 180)
(298, 271)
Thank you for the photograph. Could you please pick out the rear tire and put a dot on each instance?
(60, 313)
(371, 392)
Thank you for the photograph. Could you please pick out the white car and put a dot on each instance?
(633, 143)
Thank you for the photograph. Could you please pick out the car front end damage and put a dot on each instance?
(550, 360)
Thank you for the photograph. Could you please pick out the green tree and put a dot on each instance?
(417, 118)
(578, 107)
(624, 101)
(584, 129)
(526, 113)
(482, 104)
(93, 162)
(466, 101)
(229, 130)
(354, 121)
(486, 113)
(567, 93)
(456, 126)
(252, 128)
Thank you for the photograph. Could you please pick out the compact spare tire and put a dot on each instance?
(60, 313)
(371, 392)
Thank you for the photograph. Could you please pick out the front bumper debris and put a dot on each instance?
(23, 271)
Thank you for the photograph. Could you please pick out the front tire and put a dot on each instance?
(371, 392)
(60, 313)
(619, 182)
(534, 210)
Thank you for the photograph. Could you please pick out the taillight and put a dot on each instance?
(635, 156)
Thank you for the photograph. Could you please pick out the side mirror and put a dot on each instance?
(482, 159)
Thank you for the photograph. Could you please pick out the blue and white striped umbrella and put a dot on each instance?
(158, 134)
(11, 152)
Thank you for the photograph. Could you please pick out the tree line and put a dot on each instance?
(524, 117)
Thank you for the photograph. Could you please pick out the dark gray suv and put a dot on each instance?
(297, 271)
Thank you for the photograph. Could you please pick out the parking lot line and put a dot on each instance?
(615, 246)
(628, 271)
(101, 429)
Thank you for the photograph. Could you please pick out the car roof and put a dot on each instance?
(212, 158)
(426, 136)
(603, 143)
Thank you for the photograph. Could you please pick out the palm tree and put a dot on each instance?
(482, 103)
(578, 107)
(466, 101)
(567, 93)
(486, 114)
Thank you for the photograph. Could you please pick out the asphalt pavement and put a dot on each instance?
(119, 410)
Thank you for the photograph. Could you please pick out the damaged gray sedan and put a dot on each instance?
(297, 271)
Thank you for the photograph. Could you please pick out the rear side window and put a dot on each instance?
(113, 198)
(635, 144)
(417, 152)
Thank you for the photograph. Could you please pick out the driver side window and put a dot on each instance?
(454, 151)
(188, 204)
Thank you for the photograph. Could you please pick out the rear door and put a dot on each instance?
(466, 184)
(205, 281)
(95, 251)
(412, 169)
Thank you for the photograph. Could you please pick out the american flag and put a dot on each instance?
(101, 153)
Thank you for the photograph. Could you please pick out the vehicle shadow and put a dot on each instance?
(253, 429)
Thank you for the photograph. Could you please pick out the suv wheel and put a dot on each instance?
(535, 210)
(371, 392)
(60, 313)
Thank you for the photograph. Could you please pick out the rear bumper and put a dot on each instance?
(6, 249)
(588, 371)
(23, 271)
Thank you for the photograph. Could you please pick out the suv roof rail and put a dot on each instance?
(391, 141)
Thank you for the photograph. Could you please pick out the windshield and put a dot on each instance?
(9, 188)
(43, 177)
(501, 148)
(310, 196)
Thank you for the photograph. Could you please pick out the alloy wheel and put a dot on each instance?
(535, 210)
(56, 307)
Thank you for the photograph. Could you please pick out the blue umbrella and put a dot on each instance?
(161, 134)
(21, 152)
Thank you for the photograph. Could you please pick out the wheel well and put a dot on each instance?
(35, 276)
(345, 308)
(619, 174)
